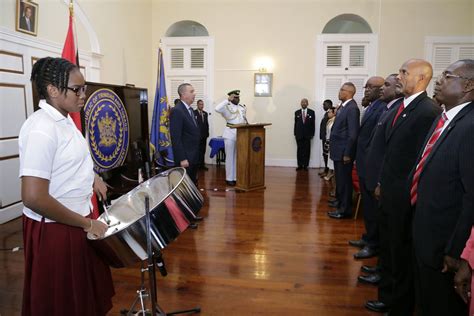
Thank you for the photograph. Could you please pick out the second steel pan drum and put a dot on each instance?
(174, 203)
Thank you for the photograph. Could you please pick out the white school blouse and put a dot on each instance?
(52, 148)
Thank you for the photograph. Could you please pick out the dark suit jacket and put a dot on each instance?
(306, 130)
(376, 148)
(185, 135)
(24, 26)
(344, 132)
(403, 142)
(322, 127)
(203, 124)
(367, 126)
(444, 212)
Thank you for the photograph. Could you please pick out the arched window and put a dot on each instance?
(347, 24)
(186, 28)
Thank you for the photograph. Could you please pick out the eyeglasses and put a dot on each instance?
(446, 75)
(78, 90)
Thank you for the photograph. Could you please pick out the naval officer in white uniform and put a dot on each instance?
(233, 113)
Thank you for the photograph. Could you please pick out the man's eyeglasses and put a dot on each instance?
(446, 75)
(78, 90)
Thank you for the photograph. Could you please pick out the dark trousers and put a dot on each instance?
(343, 174)
(325, 157)
(303, 151)
(202, 151)
(435, 293)
(384, 263)
(369, 204)
(399, 259)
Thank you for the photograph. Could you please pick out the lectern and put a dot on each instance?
(250, 156)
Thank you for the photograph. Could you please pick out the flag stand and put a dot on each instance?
(142, 293)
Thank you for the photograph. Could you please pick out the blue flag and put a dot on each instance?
(160, 125)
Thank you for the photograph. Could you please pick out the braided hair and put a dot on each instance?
(54, 71)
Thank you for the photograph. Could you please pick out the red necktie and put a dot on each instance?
(304, 116)
(429, 146)
(400, 110)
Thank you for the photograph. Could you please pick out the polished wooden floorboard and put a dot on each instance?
(267, 252)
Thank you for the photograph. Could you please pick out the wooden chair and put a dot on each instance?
(356, 186)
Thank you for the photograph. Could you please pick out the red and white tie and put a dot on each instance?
(429, 146)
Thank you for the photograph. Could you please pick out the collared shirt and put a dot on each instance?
(345, 102)
(451, 114)
(389, 105)
(408, 100)
(52, 148)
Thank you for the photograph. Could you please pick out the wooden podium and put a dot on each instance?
(250, 156)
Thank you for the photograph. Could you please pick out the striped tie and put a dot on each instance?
(429, 146)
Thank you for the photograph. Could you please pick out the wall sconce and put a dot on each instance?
(263, 84)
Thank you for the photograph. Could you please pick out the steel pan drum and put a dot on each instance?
(174, 203)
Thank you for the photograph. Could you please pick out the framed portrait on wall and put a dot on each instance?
(263, 84)
(27, 17)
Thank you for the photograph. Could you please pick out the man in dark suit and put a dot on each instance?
(203, 123)
(392, 95)
(369, 120)
(184, 131)
(327, 104)
(405, 131)
(304, 132)
(27, 19)
(442, 193)
(342, 151)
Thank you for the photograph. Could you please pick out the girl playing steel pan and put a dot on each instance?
(63, 275)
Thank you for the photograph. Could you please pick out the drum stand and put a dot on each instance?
(142, 293)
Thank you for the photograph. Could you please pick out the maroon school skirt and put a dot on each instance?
(63, 274)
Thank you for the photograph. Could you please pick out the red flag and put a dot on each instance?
(70, 53)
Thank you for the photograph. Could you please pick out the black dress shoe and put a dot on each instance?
(230, 183)
(360, 243)
(369, 269)
(376, 306)
(334, 204)
(365, 253)
(337, 214)
(332, 200)
(372, 279)
(198, 218)
(305, 168)
(299, 168)
(193, 225)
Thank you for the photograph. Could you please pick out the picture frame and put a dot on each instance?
(263, 84)
(27, 17)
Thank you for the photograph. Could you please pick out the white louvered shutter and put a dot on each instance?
(331, 88)
(197, 58)
(446, 54)
(334, 56)
(199, 85)
(177, 58)
(357, 56)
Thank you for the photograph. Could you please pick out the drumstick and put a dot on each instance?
(106, 210)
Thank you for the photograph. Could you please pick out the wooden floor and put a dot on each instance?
(269, 252)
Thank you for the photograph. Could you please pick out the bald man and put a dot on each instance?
(304, 133)
(405, 132)
(369, 241)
